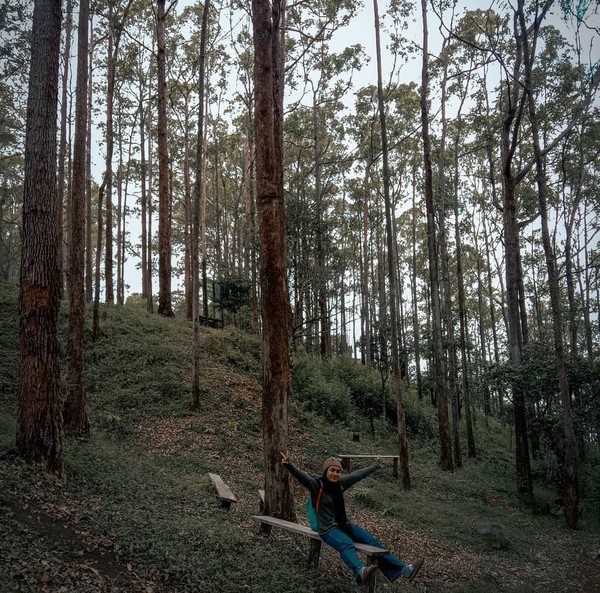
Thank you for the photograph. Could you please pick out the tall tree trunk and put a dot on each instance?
(39, 415)
(187, 207)
(445, 274)
(165, 307)
(62, 147)
(514, 101)
(365, 311)
(149, 212)
(570, 480)
(436, 322)
(268, 76)
(197, 206)
(413, 284)
(462, 308)
(393, 274)
(109, 294)
(143, 194)
(321, 272)
(89, 262)
(75, 414)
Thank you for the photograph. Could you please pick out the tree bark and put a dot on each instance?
(393, 275)
(62, 149)
(165, 307)
(570, 480)
(75, 414)
(436, 322)
(39, 415)
(197, 206)
(268, 76)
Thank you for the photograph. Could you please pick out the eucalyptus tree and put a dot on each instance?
(394, 295)
(39, 417)
(74, 413)
(267, 23)
(530, 35)
(195, 218)
(438, 352)
(64, 142)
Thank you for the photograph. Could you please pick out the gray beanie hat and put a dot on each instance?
(331, 462)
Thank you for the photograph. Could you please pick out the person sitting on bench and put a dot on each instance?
(334, 528)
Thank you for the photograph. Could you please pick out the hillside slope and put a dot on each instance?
(137, 513)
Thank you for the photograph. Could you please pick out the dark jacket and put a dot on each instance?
(326, 514)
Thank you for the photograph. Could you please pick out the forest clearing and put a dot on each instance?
(137, 512)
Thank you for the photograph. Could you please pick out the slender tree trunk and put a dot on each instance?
(393, 276)
(462, 308)
(75, 414)
(109, 295)
(514, 101)
(444, 267)
(62, 149)
(268, 76)
(165, 308)
(149, 212)
(39, 414)
(188, 222)
(570, 480)
(195, 227)
(365, 312)
(89, 262)
(143, 194)
(413, 281)
(436, 324)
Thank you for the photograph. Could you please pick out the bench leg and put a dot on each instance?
(373, 583)
(226, 504)
(314, 552)
(346, 465)
(396, 467)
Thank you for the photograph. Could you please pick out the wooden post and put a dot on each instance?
(314, 552)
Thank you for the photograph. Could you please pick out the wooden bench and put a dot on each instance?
(347, 458)
(210, 322)
(223, 491)
(371, 552)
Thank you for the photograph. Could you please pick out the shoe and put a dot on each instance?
(367, 574)
(411, 570)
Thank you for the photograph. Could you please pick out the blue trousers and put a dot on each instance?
(343, 542)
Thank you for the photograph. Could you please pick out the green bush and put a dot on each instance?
(318, 390)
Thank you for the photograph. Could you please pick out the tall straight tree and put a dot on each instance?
(268, 78)
(75, 415)
(436, 322)
(39, 422)
(570, 480)
(165, 307)
(62, 146)
(195, 227)
(392, 268)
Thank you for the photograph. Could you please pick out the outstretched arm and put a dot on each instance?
(358, 475)
(307, 481)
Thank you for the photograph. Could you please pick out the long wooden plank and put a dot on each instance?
(368, 456)
(308, 532)
(223, 490)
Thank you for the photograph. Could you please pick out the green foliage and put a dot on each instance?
(241, 350)
(319, 389)
(9, 339)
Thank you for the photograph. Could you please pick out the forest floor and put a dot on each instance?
(137, 513)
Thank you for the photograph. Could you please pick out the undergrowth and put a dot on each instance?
(138, 490)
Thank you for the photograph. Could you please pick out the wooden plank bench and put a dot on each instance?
(371, 552)
(346, 459)
(223, 491)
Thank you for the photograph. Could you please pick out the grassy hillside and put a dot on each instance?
(137, 513)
